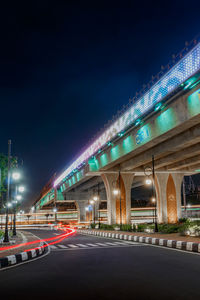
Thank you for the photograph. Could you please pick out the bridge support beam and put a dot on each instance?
(82, 214)
(168, 190)
(118, 206)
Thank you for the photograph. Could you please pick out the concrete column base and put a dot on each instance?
(168, 190)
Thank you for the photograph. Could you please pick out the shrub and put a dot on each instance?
(190, 228)
(168, 228)
(107, 227)
(141, 227)
(93, 225)
(183, 220)
(126, 227)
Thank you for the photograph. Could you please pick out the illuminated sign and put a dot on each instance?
(184, 69)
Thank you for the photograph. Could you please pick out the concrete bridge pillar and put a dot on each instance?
(168, 190)
(82, 214)
(118, 206)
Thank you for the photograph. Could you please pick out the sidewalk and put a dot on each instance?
(21, 251)
(173, 240)
(21, 238)
(169, 236)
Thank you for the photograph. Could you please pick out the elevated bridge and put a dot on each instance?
(164, 123)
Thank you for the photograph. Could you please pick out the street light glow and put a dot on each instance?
(16, 175)
(21, 189)
(55, 209)
(95, 198)
(115, 192)
(91, 201)
(19, 197)
(153, 200)
(9, 204)
(148, 181)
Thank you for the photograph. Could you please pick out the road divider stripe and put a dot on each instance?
(22, 257)
(179, 245)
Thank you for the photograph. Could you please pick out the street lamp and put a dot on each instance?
(16, 175)
(55, 211)
(21, 189)
(148, 181)
(6, 235)
(19, 197)
(148, 172)
(97, 198)
(117, 192)
(92, 202)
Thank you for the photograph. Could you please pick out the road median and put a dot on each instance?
(27, 249)
(162, 241)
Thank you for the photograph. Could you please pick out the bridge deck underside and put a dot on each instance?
(180, 153)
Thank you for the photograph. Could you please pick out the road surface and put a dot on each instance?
(88, 267)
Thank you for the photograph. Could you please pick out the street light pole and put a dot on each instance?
(14, 209)
(99, 206)
(154, 194)
(120, 202)
(94, 212)
(6, 236)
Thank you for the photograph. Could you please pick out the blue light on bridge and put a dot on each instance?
(183, 70)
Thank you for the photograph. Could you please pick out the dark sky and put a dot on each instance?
(67, 67)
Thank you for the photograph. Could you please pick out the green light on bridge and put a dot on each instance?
(158, 106)
(128, 144)
(104, 159)
(120, 134)
(166, 121)
(115, 153)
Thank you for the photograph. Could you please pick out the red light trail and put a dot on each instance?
(54, 240)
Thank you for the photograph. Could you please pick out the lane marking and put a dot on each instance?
(100, 244)
(62, 246)
(92, 245)
(81, 245)
(111, 244)
(52, 247)
(72, 246)
(120, 243)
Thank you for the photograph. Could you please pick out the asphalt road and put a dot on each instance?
(86, 267)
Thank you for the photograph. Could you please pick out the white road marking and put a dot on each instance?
(72, 246)
(120, 243)
(111, 244)
(62, 246)
(100, 244)
(92, 245)
(53, 247)
(132, 243)
(81, 245)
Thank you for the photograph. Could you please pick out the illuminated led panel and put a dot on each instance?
(184, 69)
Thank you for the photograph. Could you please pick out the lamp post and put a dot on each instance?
(151, 171)
(116, 192)
(6, 236)
(16, 176)
(33, 210)
(18, 198)
(98, 199)
(55, 211)
(92, 202)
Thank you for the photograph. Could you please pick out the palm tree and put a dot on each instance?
(47, 215)
(28, 217)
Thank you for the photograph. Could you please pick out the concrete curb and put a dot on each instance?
(180, 245)
(18, 258)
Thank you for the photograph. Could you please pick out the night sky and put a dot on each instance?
(67, 67)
